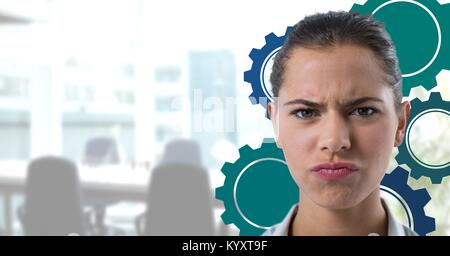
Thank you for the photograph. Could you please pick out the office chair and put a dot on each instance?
(53, 199)
(179, 200)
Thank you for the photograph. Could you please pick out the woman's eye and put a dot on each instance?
(304, 113)
(366, 111)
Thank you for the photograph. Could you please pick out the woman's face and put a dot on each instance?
(336, 121)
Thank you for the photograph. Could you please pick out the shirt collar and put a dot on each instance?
(395, 228)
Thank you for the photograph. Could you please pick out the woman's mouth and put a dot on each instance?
(334, 171)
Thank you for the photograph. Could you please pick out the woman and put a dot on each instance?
(337, 115)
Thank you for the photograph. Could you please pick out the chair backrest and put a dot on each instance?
(101, 150)
(52, 198)
(182, 151)
(179, 201)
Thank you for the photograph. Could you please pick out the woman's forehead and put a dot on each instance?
(346, 61)
(339, 73)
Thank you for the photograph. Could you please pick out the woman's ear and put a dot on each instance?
(403, 117)
(273, 115)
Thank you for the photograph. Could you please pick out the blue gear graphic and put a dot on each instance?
(406, 156)
(255, 76)
(258, 190)
(420, 31)
(415, 200)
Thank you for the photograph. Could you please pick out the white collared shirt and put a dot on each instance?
(395, 228)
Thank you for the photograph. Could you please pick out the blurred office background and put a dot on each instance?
(115, 89)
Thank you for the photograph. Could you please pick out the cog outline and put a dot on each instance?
(416, 200)
(260, 58)
(426, 76)
(233, 171)
(405, 154)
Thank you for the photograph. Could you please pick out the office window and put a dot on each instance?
(170, 103)
(169, 74)
(14, 87)
(124, 97)
(79, 93)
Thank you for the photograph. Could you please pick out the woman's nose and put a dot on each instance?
(334, 134)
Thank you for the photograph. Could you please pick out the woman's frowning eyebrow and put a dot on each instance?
(350, 103)
(304, 102)
(362, 100)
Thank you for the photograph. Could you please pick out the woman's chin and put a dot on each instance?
(337, 200)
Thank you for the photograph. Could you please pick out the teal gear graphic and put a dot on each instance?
(436, 173)
(258, 190)
(421, 34)
(413, 201)
(262, 92)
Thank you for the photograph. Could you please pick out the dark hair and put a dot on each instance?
(333, 28)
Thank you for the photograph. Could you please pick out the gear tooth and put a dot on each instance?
(399, 158)
(415, 101)
(267, 140)
(435, 179)
(356, 8)
(288, 30)
(254, 53)
(446, 65)
(416, 175)
(226, 218)
(220, 193)
(429, 83)
(270, 37)
(254, 100)
(428, 225)
(245, 150)
(445, 10)
(247, 76)
(435, 96)
(430, 222)
(424, 197)
(226, 168)
(269, 145)
(264, 101)
(400, 173)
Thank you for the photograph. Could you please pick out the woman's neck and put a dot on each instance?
(365, 218)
